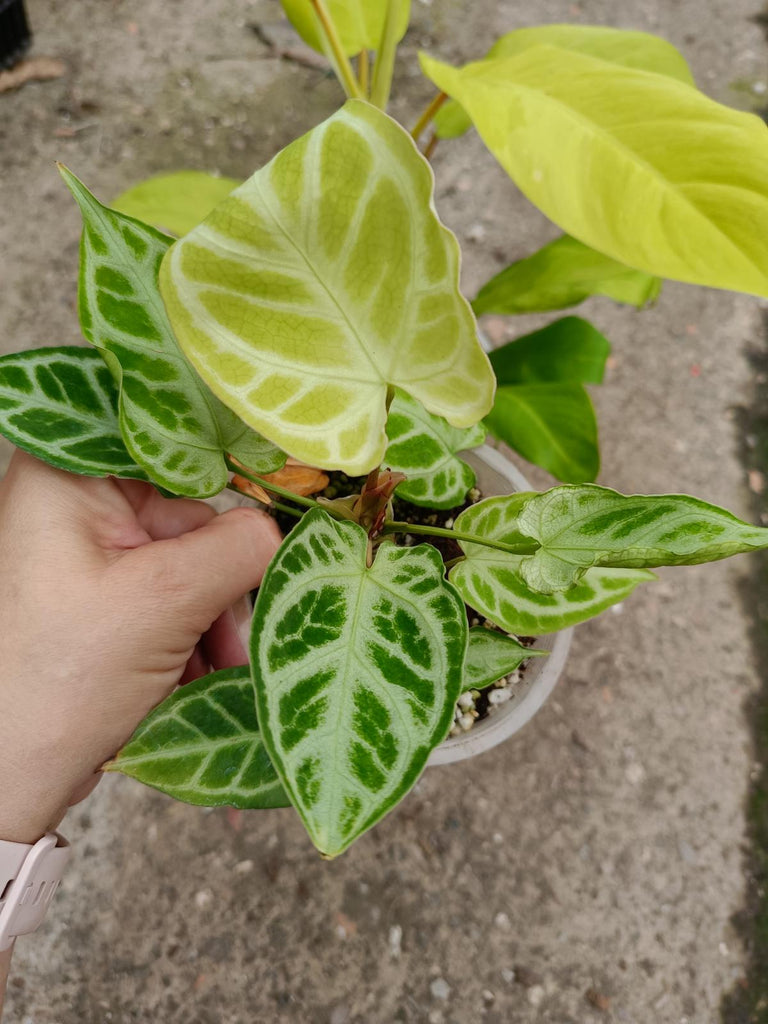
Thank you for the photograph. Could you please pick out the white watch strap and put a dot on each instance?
(29, 877)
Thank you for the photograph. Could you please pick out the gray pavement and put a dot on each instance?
(589, 869)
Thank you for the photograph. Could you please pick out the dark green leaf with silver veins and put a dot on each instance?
(172, 424)
(60, 405)
(491, 656)
(424, 447)
(357, 670)
(580, 527)
(202, 745)
(489, 580)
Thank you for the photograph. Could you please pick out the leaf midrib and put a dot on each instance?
(257, 180)
(542, 424)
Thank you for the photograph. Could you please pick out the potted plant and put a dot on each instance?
(314, 315)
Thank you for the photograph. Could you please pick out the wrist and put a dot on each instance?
(27, 825)
(36, 779)
(28, 809)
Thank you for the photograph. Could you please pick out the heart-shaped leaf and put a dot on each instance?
(491, 656)
(60, 405)
(359, 23)
(172, 425)
(202, 745)
(635, 164)
(551, 425)
(616, 46)
(570, 349)
(424, 447)
(320, 283)
(175, 202)
(489, 579)
(579, 527)
(357, 670)
(564, 273)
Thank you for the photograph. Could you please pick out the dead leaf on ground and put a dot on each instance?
(756, 481)
(234, 818)
(36, 69)
(345, 926)
(598, 1000)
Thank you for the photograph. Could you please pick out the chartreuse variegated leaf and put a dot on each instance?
(425, 447)
(60, 405)
(202, 745)
(322, 282)
(616, 46)
(552, 425)
(491, 656)
(637, 165)
(359, 23)
(357, 670)
(172, 425)
(489, 580)
(580, 527)
(175, 202)
(570, 349)
(561, 274)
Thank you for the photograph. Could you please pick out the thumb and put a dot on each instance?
(197, 576)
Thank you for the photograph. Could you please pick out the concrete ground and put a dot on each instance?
(588, 870)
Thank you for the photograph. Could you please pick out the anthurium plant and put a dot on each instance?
(311, 317)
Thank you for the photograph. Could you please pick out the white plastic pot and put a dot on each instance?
(497, 475)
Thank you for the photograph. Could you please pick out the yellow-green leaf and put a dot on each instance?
(359, 23)
(635, 164)
(175, 202)
(617, 46)
(322, 282)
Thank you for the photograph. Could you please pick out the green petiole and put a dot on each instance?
(338, 58)
(390, 526)
(385, 59)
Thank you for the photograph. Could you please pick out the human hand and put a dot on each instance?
(110, 595)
